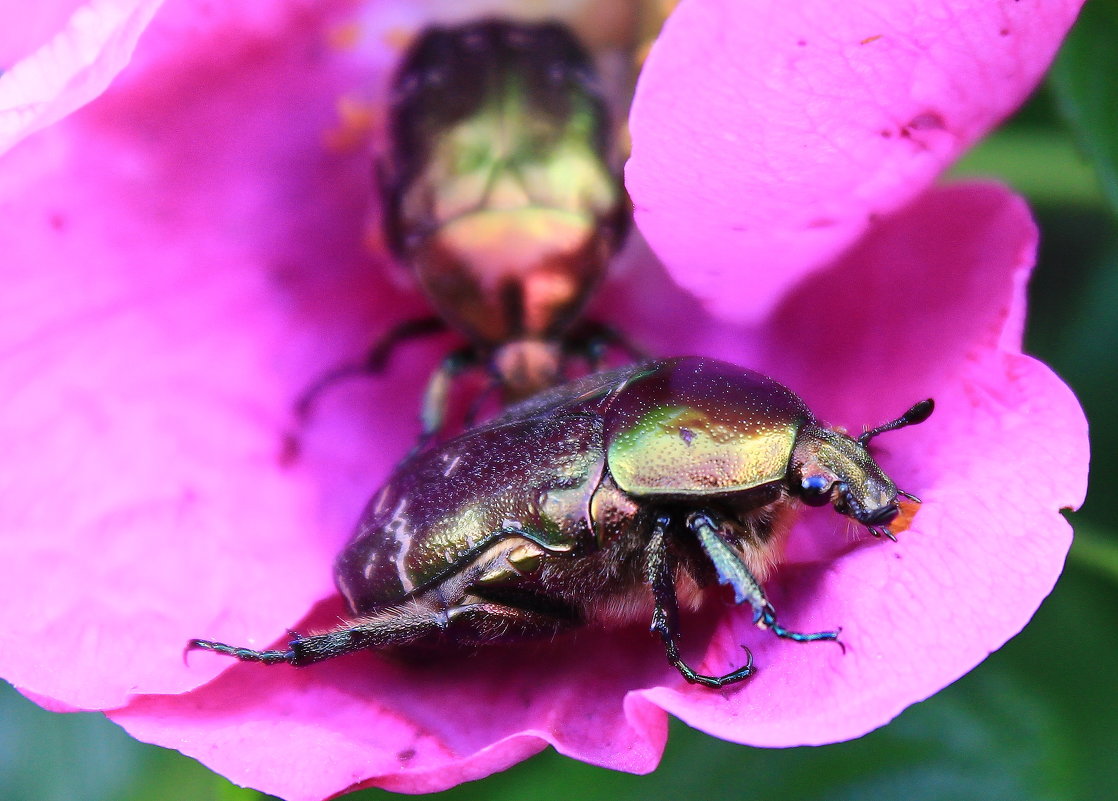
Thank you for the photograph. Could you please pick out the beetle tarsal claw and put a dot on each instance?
(243, 654)
(881, 531)
(714, 682)
(765, 618)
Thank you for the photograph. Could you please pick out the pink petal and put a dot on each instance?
(767, 136)
(185, 257)
(415, 726)
(181, 260)
(57, 56)
(930, 305)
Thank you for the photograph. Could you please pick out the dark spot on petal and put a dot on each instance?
(886, 134)
(291, 448)
(1004, 32)
(801, 43)
(57, 221)
(927, 121)
(406, 754)
(821, 222)
(686, 434)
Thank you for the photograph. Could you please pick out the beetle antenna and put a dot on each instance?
(917, 414)
(909, 495)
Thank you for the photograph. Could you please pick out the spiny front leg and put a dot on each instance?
(660, 574)
(733, 572)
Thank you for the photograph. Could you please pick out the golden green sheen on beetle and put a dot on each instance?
(684, 451)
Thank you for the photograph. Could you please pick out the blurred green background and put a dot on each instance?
(1035, 721)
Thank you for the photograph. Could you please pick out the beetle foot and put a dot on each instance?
(243, 654)
(765, 618)
(881, 531)
(742, 673)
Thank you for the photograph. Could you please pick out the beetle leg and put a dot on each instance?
(489, 622)
(386, 629)
(591, 339)
(479, 400)
(660, 572)
(244, 654)
(436, 396)
(465, 624)
(374, 362)
(734, 573)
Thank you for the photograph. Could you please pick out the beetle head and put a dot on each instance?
(831, 467)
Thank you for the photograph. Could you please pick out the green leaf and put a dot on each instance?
(1095, 550)
(50, 757)
(1038, 162)
(1085, 80)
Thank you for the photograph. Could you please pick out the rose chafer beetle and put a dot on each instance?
(612, 499)
(501, 192)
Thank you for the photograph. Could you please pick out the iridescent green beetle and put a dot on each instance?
(605, 501)
(501, 192)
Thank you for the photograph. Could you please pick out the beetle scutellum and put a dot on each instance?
(604, 501)
(501, 192)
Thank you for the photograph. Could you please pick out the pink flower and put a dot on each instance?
(58, 56)
(184, 255)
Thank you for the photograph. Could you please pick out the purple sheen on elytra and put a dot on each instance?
(440, 505)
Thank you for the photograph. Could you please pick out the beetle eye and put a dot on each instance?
(815, 490)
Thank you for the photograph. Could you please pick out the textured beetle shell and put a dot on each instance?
(499, 189)
(445, 506)
(697, 426)
(539, 472)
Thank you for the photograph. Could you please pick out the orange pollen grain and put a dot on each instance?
(903, 520)
(356, 119)
(344, 37)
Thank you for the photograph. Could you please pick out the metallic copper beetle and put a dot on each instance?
(501, 192)
(606, 501)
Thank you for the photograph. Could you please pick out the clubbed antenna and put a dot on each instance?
(917, 414)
